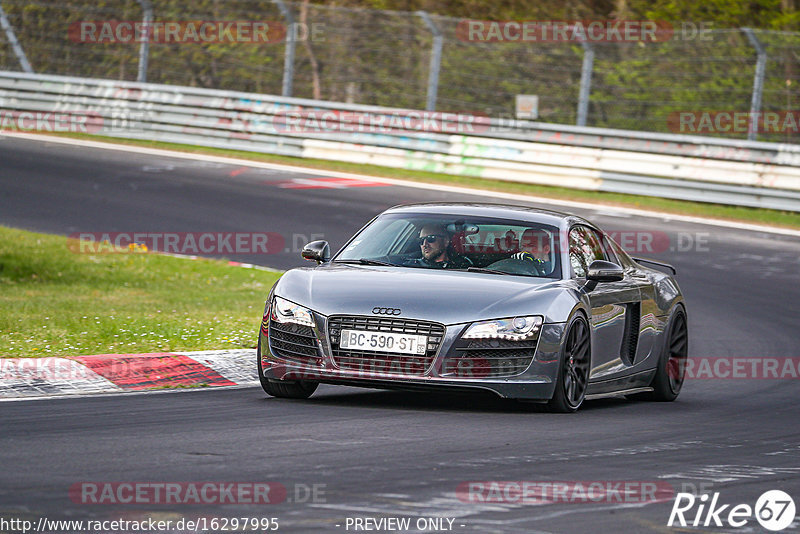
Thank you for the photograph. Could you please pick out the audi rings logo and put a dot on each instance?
(386, 311)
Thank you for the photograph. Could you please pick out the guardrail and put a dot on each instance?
(734, 172)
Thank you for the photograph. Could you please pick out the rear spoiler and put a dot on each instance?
(657, 264)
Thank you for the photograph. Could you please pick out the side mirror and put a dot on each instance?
(318, 251)
(603, 271)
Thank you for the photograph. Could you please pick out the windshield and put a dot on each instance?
(481, 244)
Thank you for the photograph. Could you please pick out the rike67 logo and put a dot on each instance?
(774, 511)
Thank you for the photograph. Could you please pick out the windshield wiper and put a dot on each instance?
(484, 270)
(366, 261)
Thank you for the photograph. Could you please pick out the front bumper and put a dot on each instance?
(536, 382)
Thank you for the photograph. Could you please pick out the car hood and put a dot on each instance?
(448, 297)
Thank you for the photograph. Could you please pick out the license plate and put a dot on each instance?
(384, 342)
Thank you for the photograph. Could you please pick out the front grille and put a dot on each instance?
(293, 342)
(374, 362)
(489, 358)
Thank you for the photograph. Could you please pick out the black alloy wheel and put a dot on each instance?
(287, 389)
(573, 375)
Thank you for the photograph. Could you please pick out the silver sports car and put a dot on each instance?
(530, 304)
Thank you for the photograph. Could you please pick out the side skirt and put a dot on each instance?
(620, 386)
(618, 393)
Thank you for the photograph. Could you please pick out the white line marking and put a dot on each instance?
(731, 473)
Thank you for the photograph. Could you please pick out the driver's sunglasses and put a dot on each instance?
(429, 239)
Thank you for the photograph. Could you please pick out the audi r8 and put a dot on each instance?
(526, 303)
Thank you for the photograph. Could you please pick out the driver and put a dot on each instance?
(535, 246)
(434, 243)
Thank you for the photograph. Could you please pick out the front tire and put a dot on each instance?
(573, 373)
(285, 389)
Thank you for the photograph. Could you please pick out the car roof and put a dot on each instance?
(485, 209)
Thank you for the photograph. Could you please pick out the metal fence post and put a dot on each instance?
(12, 39)
(586, 82)
(288, 58)
(758, 83)
(144, 48)
(436, 61)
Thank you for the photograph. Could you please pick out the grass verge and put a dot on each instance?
(783, 219)
(59, 303)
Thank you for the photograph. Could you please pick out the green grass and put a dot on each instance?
(56, 302)
(732, 213)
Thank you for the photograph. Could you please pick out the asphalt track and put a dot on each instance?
(397, 454)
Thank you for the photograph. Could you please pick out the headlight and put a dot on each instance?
(516, 328)
(284, 311)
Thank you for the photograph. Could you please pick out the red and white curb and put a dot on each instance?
(22, 378)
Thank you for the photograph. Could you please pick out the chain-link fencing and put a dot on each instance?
(689, 79)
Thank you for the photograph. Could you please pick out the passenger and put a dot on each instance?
(535, 248)
(437, 252)
(508, 243)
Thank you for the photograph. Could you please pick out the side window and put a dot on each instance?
(584, 247)
(611, 255)
(576, 246)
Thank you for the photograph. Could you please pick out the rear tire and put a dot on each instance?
(285, 389)
(671, 371)
(573, 373)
